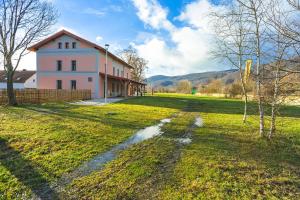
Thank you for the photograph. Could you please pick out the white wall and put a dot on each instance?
(31, 82)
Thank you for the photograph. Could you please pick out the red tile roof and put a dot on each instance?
(19, 76)
(64, 32)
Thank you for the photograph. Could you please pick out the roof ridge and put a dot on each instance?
(36, 46)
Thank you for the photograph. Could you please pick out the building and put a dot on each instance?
(22, 79)
(67, 61)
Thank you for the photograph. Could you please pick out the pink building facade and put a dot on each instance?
(66, 61)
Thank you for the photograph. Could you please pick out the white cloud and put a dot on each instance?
(28, 62)
(197, 14)
(99, 38)
(153, 14)
(92, 11)
(184, 49)
(116, 8)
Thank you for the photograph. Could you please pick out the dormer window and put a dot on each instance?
(67, 45)
(73, 45)
(59, 45)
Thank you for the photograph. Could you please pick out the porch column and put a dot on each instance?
(126, 89)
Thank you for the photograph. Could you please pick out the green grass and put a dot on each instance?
(40, 143)
(226, 159)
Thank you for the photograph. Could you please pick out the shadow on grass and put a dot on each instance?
(281, 151)
(271, 169)
(208, 105)
(25, 172)
(105, 118)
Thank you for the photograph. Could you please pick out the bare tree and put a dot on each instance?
(256, 10)
(233, 42)
(294, 3)
(184, 86)
(281, 54)
(139, 64)
(22, 22)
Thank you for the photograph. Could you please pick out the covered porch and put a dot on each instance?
(122, 87)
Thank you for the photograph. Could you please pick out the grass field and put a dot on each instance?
(225, 160)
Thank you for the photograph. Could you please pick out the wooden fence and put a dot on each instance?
(46, 95)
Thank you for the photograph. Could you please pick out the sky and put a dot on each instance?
(172, 35)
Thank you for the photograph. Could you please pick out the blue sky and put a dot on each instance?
(173, 35)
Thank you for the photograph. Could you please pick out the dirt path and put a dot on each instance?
(164, 170)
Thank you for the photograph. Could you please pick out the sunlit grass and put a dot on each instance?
(226, 159)
(54, 139)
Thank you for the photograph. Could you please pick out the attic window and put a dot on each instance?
(74, 45)
(67, 45)
(59, 45)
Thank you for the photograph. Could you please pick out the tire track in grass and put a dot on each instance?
(185, 123)
(165, 170)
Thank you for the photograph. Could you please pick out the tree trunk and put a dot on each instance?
(126, 89)
(245, 109)
(258, 82)
(10, 89)
(244, 89)
(261, 113)
(274, 105)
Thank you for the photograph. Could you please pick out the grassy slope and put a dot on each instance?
(225, 160)
(40, 143)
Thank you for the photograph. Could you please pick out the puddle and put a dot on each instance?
(100, 160)
(184, 140)
(199, 122)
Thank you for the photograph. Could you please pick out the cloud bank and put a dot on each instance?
(183, 49)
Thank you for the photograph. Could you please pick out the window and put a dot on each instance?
(118, 72)
(59, 45)
(73, 64)
(59, 65)
(59, 84)
(90, 79)
(67, 45)
(74, 45)
(73, 85)
(114, 71)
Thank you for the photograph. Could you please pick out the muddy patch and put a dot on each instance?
(199, 122)
(184, 141)
(100, 160)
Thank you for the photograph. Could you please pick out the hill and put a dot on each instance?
(227, 76)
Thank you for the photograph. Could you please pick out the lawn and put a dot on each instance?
(225, 160)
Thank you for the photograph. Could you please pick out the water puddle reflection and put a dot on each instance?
(199, 122)
(100, 160)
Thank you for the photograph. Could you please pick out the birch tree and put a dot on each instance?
(256, 10)
(232, 42)
(279, 70)
(22, 22)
